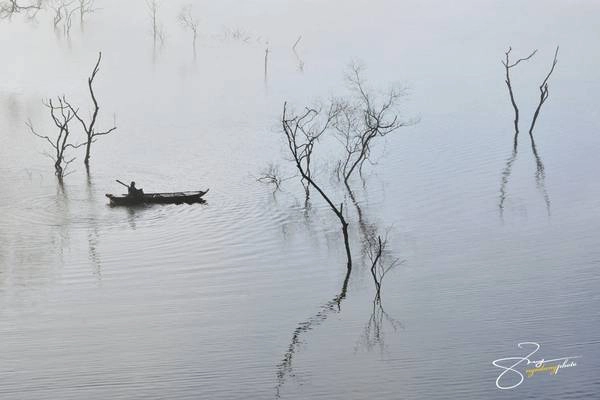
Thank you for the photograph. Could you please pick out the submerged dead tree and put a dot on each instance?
(543, 93)
(298, 58)
(362, 120)
(157, 31)
(189, 22)
(507, 66)
(272, 176)
(9, 8)
(63, 14)
(302, 131)
(90, 127)
(543, 88)
(85, 7)
(356, 121)
(266, 74)
(61, 115)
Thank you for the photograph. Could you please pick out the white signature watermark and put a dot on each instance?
(510, 377)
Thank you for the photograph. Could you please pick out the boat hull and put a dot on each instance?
(158, 198)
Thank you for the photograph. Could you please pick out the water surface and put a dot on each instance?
(240, 297)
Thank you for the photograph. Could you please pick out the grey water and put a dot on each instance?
(244, 296)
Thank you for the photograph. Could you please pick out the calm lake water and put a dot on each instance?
(235, 298)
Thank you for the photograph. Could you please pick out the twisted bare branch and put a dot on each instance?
(302, 132)
(543, 93)
(61, 115)
(90, 127)
(9, 8)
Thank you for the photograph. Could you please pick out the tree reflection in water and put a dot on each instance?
(93, 235)
(373, 334)
(285, 368)
(381, 263)
(540, 175)
(374, 249)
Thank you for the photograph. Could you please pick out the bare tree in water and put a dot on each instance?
(9, 8)
(302, 132)
(85, 7)
(157, 30)
(364, 118)
(58, 14)
(357, 121)
(68, 20)
(508, 65)
(298, 58)
(544, 89)
(63, 14)
(189, 22)
(266, 74)
(540, 175)
(90, 127)
(543, 93)
(272, 176)
(61, 115)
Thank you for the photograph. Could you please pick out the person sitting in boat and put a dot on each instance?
(133, 191)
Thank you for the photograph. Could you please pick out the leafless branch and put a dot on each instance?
(9, 8)
(543, 93)
(86, 7)
(272, 176)
(302, 132)
(61, 116)
(90, 127)
(63, 12)
(364, 118)
(58, 15)
(507, 66)
(189, 22)
(296, 42)
(540, 172)
(266, 62)
(298, 58)
(157, 29)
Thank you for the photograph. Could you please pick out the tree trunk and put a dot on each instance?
(347, 244)
(88, 146)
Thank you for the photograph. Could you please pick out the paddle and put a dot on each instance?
(127, 186)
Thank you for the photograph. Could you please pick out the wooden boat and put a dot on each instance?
(158, 198)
